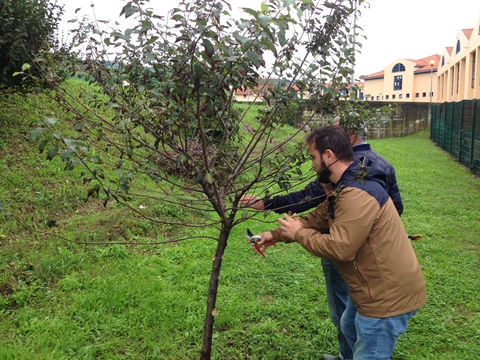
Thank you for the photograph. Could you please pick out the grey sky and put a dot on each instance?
(410, 29)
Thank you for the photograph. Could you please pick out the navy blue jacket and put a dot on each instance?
(314, 194)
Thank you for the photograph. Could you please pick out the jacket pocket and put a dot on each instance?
(364, 279)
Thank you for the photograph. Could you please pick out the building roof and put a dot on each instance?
(468, 33)
(421, 65)
(377, 75)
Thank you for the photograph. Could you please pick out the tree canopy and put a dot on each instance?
(26, 26)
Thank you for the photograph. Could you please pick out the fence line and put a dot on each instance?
(455, 127)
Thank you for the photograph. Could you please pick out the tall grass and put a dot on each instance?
(62, 300)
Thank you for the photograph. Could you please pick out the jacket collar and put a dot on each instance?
(361, 147)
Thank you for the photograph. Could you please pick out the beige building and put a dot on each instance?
(452, 76)
(459, 68)
(404, 80)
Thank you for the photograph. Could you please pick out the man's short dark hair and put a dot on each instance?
(334, 138)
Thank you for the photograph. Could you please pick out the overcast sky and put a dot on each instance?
(410, 29)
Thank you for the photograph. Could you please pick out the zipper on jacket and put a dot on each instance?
(364, 280)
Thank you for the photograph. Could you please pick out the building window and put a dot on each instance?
(408, 96)
(398, 68)
(474, 59)
(443, 60)
(378, 97)
(397, 82)
(393, 97)
(386, 97)
(424, 94)
(458, 47)
(400, 96)
(417, 95)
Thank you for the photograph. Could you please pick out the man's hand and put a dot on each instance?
(290, 225)
(251, 201)
(265, 241)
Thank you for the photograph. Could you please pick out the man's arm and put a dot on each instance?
(394, 192)
(390, 179)
(355, 215)
(297, 201)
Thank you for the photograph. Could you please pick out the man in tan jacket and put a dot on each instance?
(360, 230)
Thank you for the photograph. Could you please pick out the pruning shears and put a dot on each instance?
(254, 239)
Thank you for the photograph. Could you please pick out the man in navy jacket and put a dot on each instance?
(313, 195)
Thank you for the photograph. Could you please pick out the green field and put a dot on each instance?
(62, 300)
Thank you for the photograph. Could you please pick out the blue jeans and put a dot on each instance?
(337, 294)
(372, 338)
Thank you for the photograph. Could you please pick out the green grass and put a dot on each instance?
(62, 300)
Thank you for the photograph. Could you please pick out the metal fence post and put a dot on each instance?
(472, 136)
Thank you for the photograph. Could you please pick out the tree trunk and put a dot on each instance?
(206, 352)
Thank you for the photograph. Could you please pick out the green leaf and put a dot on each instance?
(198, 70)
(81, 143)
(208, 47)
(117, 35)
(146, 25)
(209, 178)
(78, 126)
(151, 40)
(251, 12)
(42, 145)
(70, 144)
(241, 39)
(93, 191)
(264, 21)
(25, 67)
(52, 153)
(129, 10)
(281, 35)
(50, 121)
(66, 155)
(96, 159)
(253, 56)
(69, 166)
(269, 46)
(35, 134)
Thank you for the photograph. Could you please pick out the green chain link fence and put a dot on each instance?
(455, 127)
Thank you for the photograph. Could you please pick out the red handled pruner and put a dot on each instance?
(254, 239)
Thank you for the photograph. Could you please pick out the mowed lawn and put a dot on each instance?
(62, 300)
